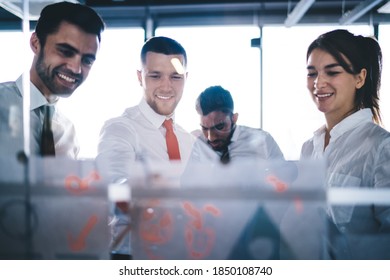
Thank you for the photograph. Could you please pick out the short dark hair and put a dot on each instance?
(361, 52)
(214, 98)
(80, 15)
(164, 45)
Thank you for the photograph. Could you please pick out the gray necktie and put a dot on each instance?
(47, 139)
(225, 157)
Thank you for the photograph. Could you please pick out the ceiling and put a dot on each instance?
(129, 13)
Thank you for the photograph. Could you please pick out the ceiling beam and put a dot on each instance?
(352, 15)
(298, 12)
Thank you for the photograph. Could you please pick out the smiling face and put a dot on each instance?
(332, 88)
(64, 62)
(163, 85)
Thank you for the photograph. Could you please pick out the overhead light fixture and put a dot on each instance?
(297, 13)
(35, 7)
(351, 16)
(385, 9)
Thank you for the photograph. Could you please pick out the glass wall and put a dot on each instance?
(268, 85)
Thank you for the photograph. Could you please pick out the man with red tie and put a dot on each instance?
(140, 132)
(147, 132)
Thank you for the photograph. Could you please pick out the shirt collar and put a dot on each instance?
(350, 122)
(156, 119)
(236, 133)
(37, 99)
(320, 131)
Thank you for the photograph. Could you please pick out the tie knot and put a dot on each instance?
(168, 124)
(48, 111)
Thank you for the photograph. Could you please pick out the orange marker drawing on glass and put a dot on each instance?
(79, 243)
(156, 227)
(199, 239)
(298, 203)
(278, 184)
(76, 185)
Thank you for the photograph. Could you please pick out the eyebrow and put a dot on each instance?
(214, 126)
(152, 72)
(71, 48)
(311, 67)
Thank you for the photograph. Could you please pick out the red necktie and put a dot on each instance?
(172, 143)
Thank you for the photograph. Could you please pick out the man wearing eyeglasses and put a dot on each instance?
(221, 140)
(227, 140)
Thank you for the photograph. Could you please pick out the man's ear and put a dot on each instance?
(139, 75)
(235, 118)
(35, 44)
(361, 78)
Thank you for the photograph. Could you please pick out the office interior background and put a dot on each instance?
(255, 49)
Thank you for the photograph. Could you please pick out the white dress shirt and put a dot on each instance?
(358, 155)
(137, 135)
(11, 127)
(246, 143)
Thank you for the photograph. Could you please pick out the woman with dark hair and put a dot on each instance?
(344, 74)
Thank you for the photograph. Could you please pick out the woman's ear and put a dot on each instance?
(361, 78)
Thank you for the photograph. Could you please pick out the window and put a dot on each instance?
(223, 56)
(111, 87)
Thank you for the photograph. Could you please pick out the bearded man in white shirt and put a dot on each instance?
(65, 43)
(224, 138)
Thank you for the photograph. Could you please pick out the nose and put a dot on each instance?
(74, 64)
(320, 81)
(165, 83)
(211, 135)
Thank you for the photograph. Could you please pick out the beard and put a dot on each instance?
(223, 143)
(49, 77)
